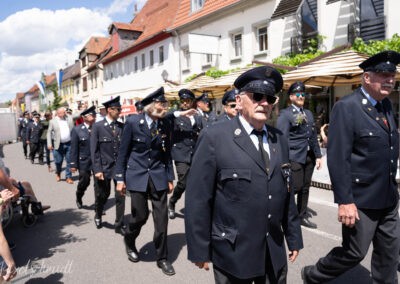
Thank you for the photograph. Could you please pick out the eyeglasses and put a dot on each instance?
(232, 105)
(257, 97)
(300, 95)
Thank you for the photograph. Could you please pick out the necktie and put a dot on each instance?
(381, 113)
(112, 125)
(264, 154)
(153, 129)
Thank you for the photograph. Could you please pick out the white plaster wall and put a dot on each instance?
(130, 84)
(244, 21)
(392, 8)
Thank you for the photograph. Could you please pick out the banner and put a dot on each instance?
(40, 85)
(59, 76)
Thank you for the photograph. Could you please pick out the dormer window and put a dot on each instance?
(197, 5)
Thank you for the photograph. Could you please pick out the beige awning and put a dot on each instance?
(337, 69)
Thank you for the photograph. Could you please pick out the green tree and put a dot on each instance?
(57, 99)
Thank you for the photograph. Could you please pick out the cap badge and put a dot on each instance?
(237, 131)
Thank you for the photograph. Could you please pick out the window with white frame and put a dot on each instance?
(207, 59)
(237, 44)
(143, 61)
(151, 58)
(197, 5)
(161, 54)
(262, 38)
(185, 58)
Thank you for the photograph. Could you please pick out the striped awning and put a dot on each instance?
(337, 69)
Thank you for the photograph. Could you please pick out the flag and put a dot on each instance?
(40, 85)
(59, 75)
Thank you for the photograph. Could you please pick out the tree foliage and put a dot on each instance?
(375, 46)
(57, 98)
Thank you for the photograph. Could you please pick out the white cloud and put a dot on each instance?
(35, 41)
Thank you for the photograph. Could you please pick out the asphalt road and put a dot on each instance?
(65, 247)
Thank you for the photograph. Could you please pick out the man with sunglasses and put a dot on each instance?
(186, 129)
(297, 123)
(239, 207)
(144, 168)
(229, 103)
(105, 140)
(204, 108)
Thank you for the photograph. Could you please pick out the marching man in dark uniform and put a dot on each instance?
(204, 109)
(105, 140)
(34, 131)
(22, 132)
(229, 102)
(239, 206)
(144, 168)
(297, 123)
(80, 152)
(363, 150)
(184, 137)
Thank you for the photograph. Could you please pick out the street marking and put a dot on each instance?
(323, 234)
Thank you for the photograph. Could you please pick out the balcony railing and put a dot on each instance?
(367, 29)
(299, 43)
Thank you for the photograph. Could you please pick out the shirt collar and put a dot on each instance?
(247, 126)
(371, 99)
(108, 119)
(149, 120)
(296, 107)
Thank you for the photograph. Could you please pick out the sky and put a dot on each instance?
(46, 35)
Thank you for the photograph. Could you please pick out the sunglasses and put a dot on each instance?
(116, 108)
(300, 95)
(232, 105)
(257, 97)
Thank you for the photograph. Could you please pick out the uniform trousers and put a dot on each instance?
(140, 213)
(102, 189)
(301, 177)
(182, 170)
(24, 146)
(33, 149)
(43, 147)
(83, 183)
(223, 277)
(379, 226)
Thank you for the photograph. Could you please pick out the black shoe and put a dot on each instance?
(307, 223)
(166, 267)
(120, 230)
(171, 210)
(37, 208)
(41, 163)
(304, 274)
(79, 203)
(131, 251)
(97, 222)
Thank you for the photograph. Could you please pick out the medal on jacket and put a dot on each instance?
(163, 136)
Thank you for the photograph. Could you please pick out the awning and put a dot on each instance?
(337, 69)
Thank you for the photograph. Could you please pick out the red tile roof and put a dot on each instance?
(96, 45)
(185, 15)
(125, 26)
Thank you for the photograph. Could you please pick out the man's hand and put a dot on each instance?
(188, 112)
(99, 176)
(318, 163)
(348, 214)
(50, 148)
(293, 255)
(121, 188)
(202, 265)
(73, 170)
(170, 187)
(6, 195)
(10, 273)
(28, 142)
